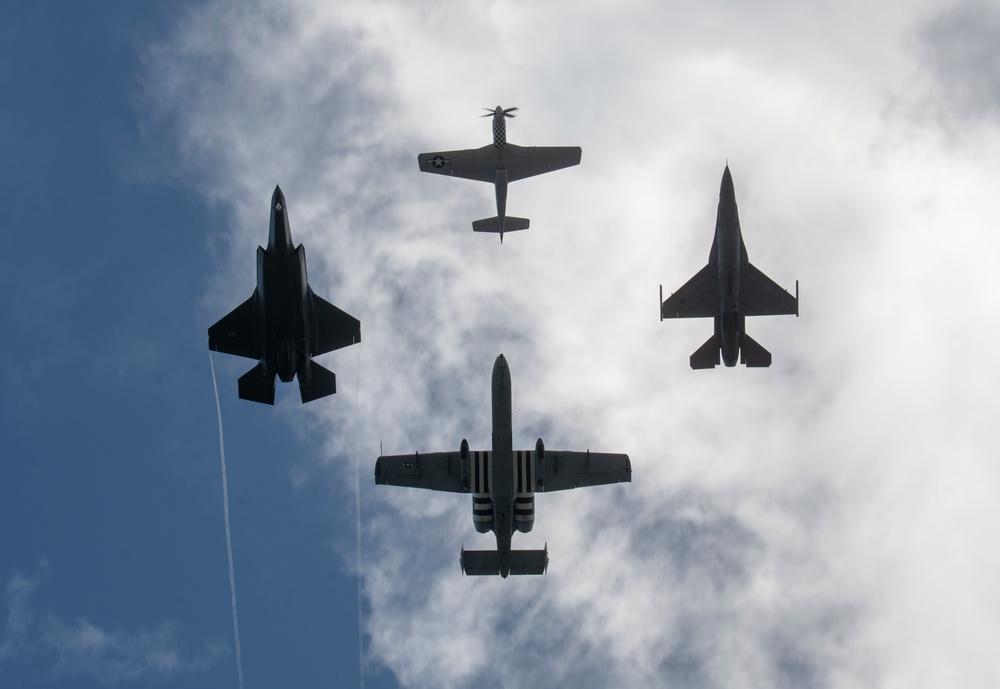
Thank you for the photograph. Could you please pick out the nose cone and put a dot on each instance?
(727, 184)
(500, 364)
(498, 110)
(278, 200)
(728, 213)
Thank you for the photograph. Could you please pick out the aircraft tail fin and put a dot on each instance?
(322, 382)
(706, 356)
(753, 355)
(487, 562)
(510, 224)
(254, 386)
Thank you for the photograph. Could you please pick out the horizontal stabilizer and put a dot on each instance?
(529, 561)
(707, 356)
(254, 386)
(487, 562)
(753, 355)
(510, 224)
(322, 382)
(480, 562)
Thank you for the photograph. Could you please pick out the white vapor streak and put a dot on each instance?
(357, 520)
(229, 540)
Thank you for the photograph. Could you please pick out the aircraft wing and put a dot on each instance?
(528, 161)
(562, 470)
(697, 298)
(475, 163)
(433, 471)
(334, 328)
(234, 333)
(761, 296)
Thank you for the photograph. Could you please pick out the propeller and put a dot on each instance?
(507, 112)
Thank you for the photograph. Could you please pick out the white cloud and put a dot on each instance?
(82, 649)
(790, 527)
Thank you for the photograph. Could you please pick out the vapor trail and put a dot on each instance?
(229, 540)
(357, 519)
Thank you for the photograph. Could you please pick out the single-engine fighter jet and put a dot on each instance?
(500, 164)
(729, 289)
(503, 483)
(283, 324)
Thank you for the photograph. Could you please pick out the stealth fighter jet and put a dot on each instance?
(729, 289)
(283, 323)
(500, 164)
(503, 483)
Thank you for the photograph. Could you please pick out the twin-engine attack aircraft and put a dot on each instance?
(500, 164)
(503, 483)
(729, 289)
(283, 324)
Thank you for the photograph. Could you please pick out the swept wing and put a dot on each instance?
(697, 298)
(234, 333)
(761, 296)
(334, 328)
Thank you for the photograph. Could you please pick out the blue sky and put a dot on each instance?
(111, 491)
(823, 523)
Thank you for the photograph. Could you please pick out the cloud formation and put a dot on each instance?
(83, 649)
(788, 527)
(959, 51)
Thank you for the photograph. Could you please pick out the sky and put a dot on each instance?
(827, 522)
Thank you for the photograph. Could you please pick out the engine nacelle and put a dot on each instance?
(482, 513)
(464, 450)
(540, 449)
(481, 486)
(524, 488)
(524, 512)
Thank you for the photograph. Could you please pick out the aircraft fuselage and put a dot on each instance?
(283, 297)
(503, 463)
(729, 256)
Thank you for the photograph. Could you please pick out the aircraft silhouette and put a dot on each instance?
(500, 163)
(729, 289)
(503, 483)
(283, 323)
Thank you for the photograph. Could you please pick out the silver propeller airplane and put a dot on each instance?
(500, 164)
(503, 483)
(729, 289)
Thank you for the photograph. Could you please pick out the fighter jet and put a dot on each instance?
(503, 483)
(283, 323)
(500, 164)
(729, 289)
